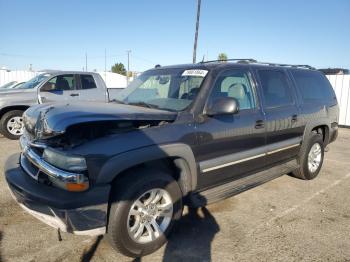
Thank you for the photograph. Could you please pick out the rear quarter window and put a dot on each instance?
(87, 82)
(313, 86)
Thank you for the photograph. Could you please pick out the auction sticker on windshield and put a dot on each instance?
(195, 72)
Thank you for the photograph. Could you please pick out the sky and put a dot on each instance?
(58, 34)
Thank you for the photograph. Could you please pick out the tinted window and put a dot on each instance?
(59, 83)
(275, 88)
(87, 82)
(235, 84)
(312, 85)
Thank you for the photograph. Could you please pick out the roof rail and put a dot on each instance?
(253, 61)
(243, 60)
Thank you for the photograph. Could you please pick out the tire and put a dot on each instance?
(306, 172)
(125, 193)
(15, 115)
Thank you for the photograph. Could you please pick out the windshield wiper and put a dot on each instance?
(144, 104)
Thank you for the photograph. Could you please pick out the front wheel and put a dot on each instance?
(311, 158)
(11, 124)
(144, 207)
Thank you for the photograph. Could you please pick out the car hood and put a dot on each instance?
(47, 120)
(5, 91)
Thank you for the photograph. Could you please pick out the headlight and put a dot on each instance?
(65, 162)
(74, 180)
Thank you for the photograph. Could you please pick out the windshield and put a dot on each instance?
(35, 81)
(8, 85)
(169, 89)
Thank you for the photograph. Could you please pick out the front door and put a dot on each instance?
(61, 88)
(231, 146)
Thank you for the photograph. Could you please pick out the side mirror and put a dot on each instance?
(223, 106)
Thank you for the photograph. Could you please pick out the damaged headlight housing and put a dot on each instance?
(65, 162)
(75, 180)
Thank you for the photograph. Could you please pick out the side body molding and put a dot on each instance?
(117, 164)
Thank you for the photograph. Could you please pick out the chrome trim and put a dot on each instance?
(232, 163)
(281, 149)
(50, 170)
(26, 169)
(24, 141)
(249, 158)
(43, 166)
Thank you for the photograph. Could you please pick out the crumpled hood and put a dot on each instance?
(48, 120)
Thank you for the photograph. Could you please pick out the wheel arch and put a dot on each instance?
(179, 155)
(321, 127)
(6, 109)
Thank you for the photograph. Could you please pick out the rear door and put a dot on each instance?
(284, 129)
(231, 146)
(88, 90)
(59, 88)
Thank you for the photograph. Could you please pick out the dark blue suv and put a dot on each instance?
(184, 134)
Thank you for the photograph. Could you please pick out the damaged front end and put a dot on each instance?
(51, 131)
(52, 180)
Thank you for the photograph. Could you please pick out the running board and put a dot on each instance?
(237, 186)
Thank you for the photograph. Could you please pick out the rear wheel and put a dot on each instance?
(11, 124)
(144, 208)
(311, 158)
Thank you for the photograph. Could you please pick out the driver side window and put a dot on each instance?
(235, 84)
(60, 83)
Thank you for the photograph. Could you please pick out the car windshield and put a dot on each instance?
(168, 89)
(32, 83)
(8, 85)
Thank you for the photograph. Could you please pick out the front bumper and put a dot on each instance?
(83, 213)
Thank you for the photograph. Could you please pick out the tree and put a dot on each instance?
(119, 68)
(222, 57)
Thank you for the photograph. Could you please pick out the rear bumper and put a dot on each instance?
(83, 213)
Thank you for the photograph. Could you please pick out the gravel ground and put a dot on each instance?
(286, 219)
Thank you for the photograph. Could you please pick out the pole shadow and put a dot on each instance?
(192, 237)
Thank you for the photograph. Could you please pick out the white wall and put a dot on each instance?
(112, 80)
(341, 86)
(19, 76)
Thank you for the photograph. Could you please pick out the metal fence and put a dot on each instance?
(341, 86)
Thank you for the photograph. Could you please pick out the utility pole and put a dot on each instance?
(196, 33)
(105, 64)
(86, 69)
(127, 73)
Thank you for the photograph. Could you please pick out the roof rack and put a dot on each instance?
(253, 61)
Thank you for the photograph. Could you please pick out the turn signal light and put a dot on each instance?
(77, 187)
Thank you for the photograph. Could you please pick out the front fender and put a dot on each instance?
(121, 162)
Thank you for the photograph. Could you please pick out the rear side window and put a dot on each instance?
(275, 88)
(312, 85)
(87, 82)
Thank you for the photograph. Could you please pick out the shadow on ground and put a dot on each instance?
(190, 240)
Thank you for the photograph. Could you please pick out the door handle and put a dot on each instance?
(294, 118)
(74, 94)
(259, 124)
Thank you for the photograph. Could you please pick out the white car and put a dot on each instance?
(12, 84)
